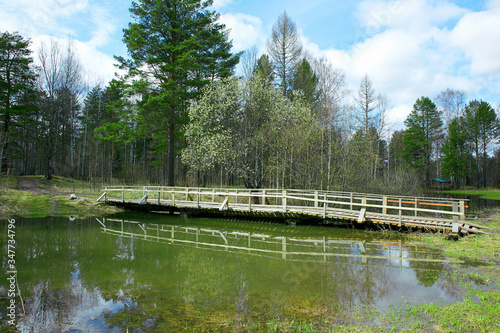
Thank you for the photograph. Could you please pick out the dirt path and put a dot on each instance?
(32, 184)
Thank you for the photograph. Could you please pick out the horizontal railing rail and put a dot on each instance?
(286, 200)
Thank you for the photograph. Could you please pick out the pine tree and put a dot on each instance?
(176, 48)
(423, 128)
(16, 84)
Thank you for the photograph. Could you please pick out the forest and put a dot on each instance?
(179, 115)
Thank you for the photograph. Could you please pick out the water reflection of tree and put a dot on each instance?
(426, 271)
(47, 255)
(168, 287)
(357, 282)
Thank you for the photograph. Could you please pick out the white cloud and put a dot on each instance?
(104, 27)
(411, 49)
(218, 4)
(34, 17)
(97, 65)
(246, 30)
(477, 35)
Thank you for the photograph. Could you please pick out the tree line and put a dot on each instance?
(180, 116)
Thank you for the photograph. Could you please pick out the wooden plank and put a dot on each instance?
(362, 214)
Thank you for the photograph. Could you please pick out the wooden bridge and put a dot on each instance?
(447, 215)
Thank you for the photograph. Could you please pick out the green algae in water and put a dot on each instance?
(213, 275)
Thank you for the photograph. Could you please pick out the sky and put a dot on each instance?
(408, 48)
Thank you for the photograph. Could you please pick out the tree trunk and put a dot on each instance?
(171, 153)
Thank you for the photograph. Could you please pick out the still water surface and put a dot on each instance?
(166, 273)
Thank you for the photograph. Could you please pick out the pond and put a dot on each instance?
(147, 272)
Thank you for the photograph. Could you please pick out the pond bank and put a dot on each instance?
(35, 196)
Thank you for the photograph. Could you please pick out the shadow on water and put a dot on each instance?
(167, 273)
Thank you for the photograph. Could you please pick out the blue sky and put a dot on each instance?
(409, 48)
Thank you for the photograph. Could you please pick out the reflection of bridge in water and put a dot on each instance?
(447, 215)
(391, 253)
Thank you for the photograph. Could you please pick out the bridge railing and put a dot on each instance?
(286, 200)
(271, 245)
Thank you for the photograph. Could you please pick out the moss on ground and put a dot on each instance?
(31, 196)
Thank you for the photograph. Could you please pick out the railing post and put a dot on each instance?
(159, 193)
(187, 193)
(123, 195)
(462, 210)
(198, 197)
(249, 203)
(173, 197)
(400, 213)
(213, 195)
(316, 194)
(455, 210)
(263, 197)
(416, 206)
(236, 197)
(384, 205)
(325, 205)
(283, 200)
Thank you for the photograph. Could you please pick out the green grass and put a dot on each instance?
(485, 193)
(20, 203)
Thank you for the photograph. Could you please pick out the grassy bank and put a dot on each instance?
(35, 196)
(485, 193)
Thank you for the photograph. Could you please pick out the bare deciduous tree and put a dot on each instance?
(60, 80)
(285, 49)
(452, 104)
(367, 103)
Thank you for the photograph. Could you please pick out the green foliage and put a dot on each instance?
(305, 82)
(456, 157)
(176, 49)
(423, 128)
(481, 127)
(265, 68)
(244, 126)
(16, 92)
